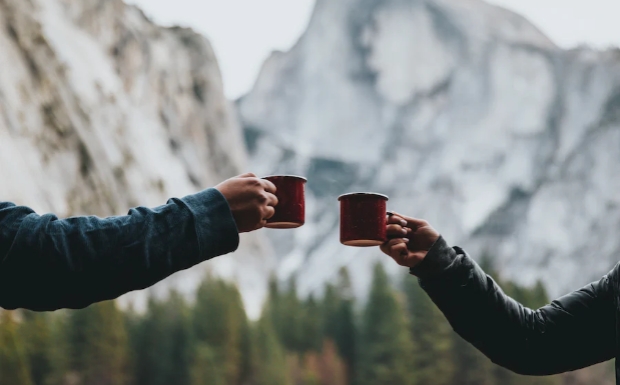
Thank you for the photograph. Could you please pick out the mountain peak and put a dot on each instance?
(465, 114)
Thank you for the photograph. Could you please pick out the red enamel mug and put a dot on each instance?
(291, 208)
(363, 219)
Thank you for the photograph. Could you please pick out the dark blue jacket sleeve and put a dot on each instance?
(48, 263)
(572, 332)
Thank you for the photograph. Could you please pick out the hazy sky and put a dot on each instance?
(244, 32)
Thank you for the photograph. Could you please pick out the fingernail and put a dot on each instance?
(406, 240)
(403, 222)
(405, 231)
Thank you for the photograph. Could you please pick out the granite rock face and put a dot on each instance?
(101, 110)
(464, 114)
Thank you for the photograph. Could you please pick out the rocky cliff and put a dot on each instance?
(101, 110)
(464, 114)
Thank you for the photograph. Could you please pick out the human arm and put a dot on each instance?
(47, 263)
(572, 332)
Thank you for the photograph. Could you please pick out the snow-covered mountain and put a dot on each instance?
(464, 114)
(101, 110)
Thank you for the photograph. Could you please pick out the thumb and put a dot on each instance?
(247, 175)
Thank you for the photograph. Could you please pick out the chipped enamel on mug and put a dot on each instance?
(291, 209)
(363, 219)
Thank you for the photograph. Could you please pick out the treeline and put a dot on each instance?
(397, 338)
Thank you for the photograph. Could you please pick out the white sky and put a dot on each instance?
(244, 32)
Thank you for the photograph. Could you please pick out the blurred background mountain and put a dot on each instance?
(102, 110)
(464, 113)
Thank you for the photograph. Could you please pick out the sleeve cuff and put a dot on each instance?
(216, 228)
(437, 260)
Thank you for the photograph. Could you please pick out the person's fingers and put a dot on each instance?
(422, 238)
(415, 223)
(412, 222)
(268, 186)
(385, 249)
(398, 244)
(261, 224)
(272, 200)
(396, 219)
(268, 212)
(396, 231)
(396, 241)
(399, 253)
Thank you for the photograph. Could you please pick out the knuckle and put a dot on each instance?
(253, 181)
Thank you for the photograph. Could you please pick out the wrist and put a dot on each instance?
(437, 259)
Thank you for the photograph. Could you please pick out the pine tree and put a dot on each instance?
(470, 366)
(133, 322)
(206, 368)
(290, 318)
(539, 296)
(487, 263)
(339, 320)
(386, 345)
(14, 368)
(331, 307)
(269, 358)
(149, 344)
(274, 302)
(99, 345)
(182, 342)
(311, 337)
(162, 343)
(35, 330)
(246, 354)
(60, 356)
(219, 321)
(432, 337)
(347, 331)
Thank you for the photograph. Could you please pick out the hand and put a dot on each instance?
(410, 239)
(251, 200)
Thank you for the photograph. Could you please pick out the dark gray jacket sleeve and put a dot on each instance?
(48, 263)
(572, 332)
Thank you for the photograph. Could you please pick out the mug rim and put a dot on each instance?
(362, 194)
(286, 176)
